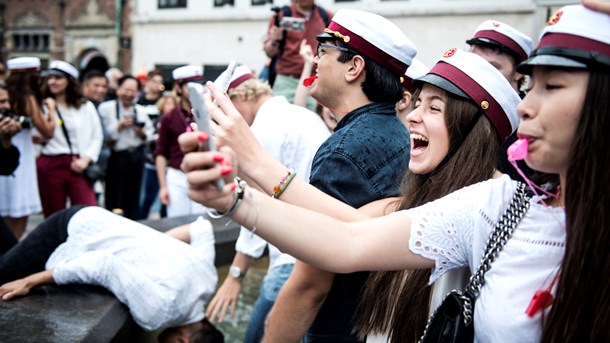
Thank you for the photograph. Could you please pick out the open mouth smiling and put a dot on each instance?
(419, 141)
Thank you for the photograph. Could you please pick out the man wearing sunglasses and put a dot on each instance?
(360, 77)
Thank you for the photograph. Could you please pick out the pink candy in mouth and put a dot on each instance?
(308, 81)
(518, 150)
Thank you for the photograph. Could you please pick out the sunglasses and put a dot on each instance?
(322, 46)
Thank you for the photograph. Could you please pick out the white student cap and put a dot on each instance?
(374, 37)
(240, 75)
(23, 64)
(188, 73)
(62, 69)
(416, 70)
(470, 76)
(575, 37)
(505, 37)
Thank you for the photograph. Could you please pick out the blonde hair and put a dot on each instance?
(163, 99)
(252, 89)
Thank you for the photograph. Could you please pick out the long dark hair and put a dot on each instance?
(74, 95)
(21, 86)
(397, 302)
(581, 311)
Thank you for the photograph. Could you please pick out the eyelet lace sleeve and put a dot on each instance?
(443, 230)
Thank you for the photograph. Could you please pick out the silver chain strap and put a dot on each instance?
(498, 238)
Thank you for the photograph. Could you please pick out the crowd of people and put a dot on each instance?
(373, 181)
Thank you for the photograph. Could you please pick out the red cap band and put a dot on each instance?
(238, 81)
(504, 40)
(567, 40)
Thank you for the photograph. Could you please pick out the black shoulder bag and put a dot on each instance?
(452, 321)
(93, 172)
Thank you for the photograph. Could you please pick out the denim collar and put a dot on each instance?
(374, 107)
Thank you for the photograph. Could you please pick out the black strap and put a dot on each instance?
(63, 129)
(135, 110)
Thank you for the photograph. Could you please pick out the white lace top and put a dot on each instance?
(453, 231)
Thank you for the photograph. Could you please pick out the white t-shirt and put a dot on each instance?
(292, 135)
(453, 231)
(163, 281)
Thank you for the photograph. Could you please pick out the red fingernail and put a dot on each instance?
(225, 170)
(218, 158)
(233, 186)
(202, 137)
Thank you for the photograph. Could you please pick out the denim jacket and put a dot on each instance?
(362, 161)
(365, 158)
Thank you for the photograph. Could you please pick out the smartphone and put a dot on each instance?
(229, 74)
(202, 119)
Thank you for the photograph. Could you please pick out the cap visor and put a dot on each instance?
(56, 72)
(442, 83)
(323, 37)
(548, 60)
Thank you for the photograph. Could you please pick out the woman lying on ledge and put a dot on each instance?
(164, 279)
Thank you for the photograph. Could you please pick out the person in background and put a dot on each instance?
(283, 44)
(76, 143)
(113, 75)
(153, 90)
(95, 86)
(168, 156)
(163, 279)
(292, 135)
(129, 128)
(9, 155)
(19, 197)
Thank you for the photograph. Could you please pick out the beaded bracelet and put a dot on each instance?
(239, 196)
(284, 182)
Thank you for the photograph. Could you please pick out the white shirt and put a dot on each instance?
(85, 131)
(453, 231)
(291, 134)
(127, 137)
(163, 281)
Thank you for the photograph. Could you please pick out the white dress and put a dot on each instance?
(453, 232)
(19, 192)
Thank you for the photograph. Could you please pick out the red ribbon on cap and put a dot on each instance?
(238, 81)
(369, 50)
(478, 94)
(567, 40)
(504, 40)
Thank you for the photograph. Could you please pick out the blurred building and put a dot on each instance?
(212, 32)
(88, 33)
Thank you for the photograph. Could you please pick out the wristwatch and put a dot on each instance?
(236, 272)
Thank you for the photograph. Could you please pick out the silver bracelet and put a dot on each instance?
(239, 196)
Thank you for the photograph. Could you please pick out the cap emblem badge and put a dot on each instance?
(449, 52)
(555, 18)
(484, 104)
(337, 34)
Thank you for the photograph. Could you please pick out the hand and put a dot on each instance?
(275, 33)
(15, 288)
(231, 130)
(201, 168)
(125, 122)
(8, 128)
(79, 165)
(164, 196)
(306, 52)
(51, 104)
(597, 5)
(226, 297)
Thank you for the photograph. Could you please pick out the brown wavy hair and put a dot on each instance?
(22, 87)
(397, 302)
(581, 310)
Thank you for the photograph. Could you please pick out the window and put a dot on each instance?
(261, 2)
(31, 42)
(172, 3)
(220, 3)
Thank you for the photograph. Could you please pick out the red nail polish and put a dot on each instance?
(218, 158)
(202, 137)
(225, 170)
(233, 186)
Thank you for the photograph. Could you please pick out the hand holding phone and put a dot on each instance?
(202, 119)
